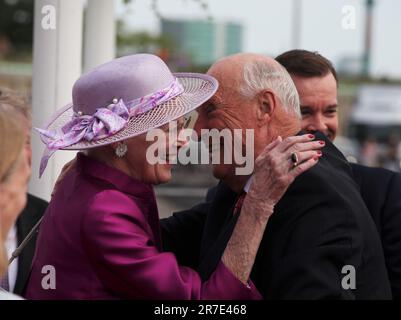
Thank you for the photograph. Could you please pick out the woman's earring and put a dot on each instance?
(121, 149)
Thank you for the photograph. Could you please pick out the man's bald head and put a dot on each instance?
(240, 59)
(250, 73)
(235, 63)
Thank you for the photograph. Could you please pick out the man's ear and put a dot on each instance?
(267, 102)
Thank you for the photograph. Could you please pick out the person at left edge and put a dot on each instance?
(14, 177)
(17, 274)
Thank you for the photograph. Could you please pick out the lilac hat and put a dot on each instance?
(120, 99)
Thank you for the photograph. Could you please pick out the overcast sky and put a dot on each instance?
(268, 26)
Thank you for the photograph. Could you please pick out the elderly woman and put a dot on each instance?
(14, 176)
(100, 235)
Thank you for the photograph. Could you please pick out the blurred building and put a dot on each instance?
(200, 43)
(377, 112)
(349, 66)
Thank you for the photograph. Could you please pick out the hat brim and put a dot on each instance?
(198, 88)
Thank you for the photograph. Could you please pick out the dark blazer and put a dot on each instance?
(318, 227)
(33, 211)
(381, 192)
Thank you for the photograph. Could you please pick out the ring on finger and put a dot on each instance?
(294, 159)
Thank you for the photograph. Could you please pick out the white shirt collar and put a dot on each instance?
(248, 184)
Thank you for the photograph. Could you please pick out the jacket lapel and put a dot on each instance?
(25, 222)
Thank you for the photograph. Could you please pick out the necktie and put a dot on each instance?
(4, 282)
(238, 204)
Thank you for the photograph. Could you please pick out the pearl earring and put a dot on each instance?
(121, 149)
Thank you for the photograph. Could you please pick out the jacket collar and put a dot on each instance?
(121, 181)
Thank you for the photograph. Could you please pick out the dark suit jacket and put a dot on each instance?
(28, 218)
(381, 192)
(318, 227)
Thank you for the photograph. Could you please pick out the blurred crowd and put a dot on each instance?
(385, 155)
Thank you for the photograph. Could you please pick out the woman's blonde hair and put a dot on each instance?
(11, 145)
(14, 102)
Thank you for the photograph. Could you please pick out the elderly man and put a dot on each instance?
(320, 242)
(18, 272)
(316, 82)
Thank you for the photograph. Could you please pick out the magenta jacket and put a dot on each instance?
(101, 235)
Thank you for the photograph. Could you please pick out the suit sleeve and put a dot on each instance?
(120, 246)
(320, 242)
(182, 233)
(391, 234)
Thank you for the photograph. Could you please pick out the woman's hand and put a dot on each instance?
(275, 169)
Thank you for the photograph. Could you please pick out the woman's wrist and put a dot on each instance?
(260, 209)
